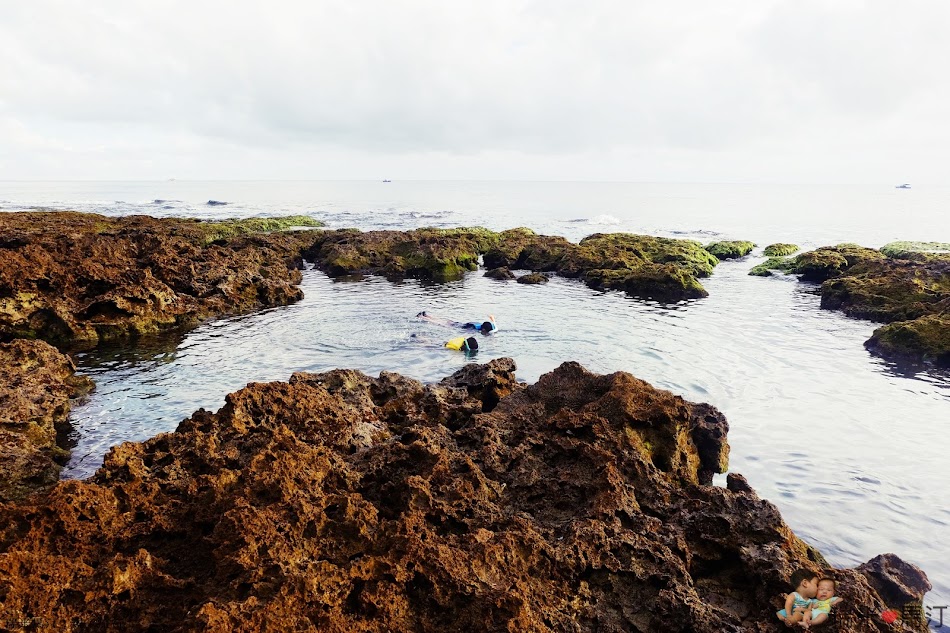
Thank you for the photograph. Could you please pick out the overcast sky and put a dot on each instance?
(683, 90)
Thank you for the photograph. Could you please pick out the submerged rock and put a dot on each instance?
(501, 274)
(533, 278)
(730, 249)
(80, 278)
(340, 502)
(783, 264)
(36, 385)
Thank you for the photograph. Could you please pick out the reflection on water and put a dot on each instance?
(851, 448)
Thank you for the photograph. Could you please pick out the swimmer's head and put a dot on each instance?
(470, 344)
(487, 327)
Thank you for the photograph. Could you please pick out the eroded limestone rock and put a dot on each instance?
(81, 278)
(339, 502)
(37, 384)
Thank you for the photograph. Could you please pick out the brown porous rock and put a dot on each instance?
(77, 279)
(36, 385)
(343, 503)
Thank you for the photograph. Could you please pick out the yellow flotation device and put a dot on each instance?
(457, 344)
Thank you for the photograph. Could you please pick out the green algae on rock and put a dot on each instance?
(897, 289)
(888, 290)
(925, 339)
(780, 250)
(783, 264)
(644, 266)
(428, 253)
(650, 267)
(920, 251)
(830, 261)
(730, 249)
(223, 229)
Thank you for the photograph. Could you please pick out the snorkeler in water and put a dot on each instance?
(485, 327)
(462, 344)
(468, 345)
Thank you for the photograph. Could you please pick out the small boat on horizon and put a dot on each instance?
(903, 186)
(387, 180)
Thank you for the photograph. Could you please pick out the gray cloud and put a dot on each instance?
(768, 90)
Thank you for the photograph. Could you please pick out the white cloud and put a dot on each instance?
(686, 90)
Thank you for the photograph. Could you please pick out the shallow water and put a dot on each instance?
(853, 450)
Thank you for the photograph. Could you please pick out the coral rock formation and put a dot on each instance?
(339, 502)
(78, 278)
(36, 385)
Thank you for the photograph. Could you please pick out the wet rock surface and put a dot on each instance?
(650, 267)
(501, 274)
(339, 502)
(908, 290)
(533, 278)
(436, 254)
(37, 383)
(643, 266)
(76, 279)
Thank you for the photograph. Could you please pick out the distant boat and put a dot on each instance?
(903, 186)
(387, 181)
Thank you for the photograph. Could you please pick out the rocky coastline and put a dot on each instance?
(342, 502)
(907, 289)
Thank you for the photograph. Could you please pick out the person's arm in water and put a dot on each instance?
(437, 320)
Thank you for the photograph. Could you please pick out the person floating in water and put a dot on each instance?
(468, 345)
(485, 327)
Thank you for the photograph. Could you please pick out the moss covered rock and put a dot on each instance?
(523, 248)
(730, 249)
(889, 290)
(224, 229)
(437, 254)
(783, 264)
(918, 251)
(911, 294)
(831, 261)
(925, 339)
(780, 250)
(641, 265)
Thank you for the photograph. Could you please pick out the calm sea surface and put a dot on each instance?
(853, 450)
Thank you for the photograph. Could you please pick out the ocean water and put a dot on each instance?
(852, 449)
